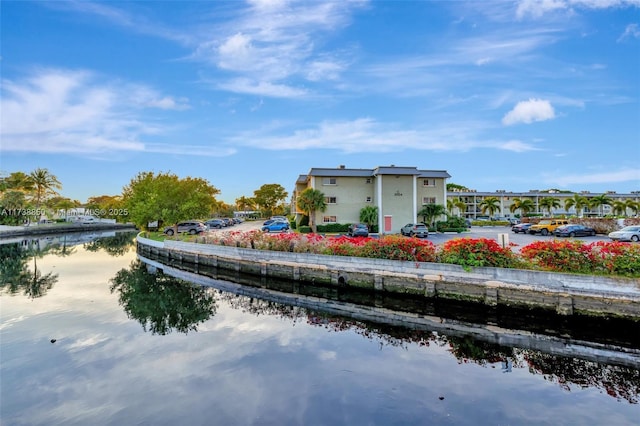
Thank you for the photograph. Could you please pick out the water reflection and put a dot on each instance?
(19, 271)
(160, 302)
(619, 380)
(19, 275)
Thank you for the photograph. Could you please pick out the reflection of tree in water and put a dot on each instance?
(618, 381)
(15, 274)
(117, 245)
(162, 303)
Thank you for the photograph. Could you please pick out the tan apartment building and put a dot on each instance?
(399, 193)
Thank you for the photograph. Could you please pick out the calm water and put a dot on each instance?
(138, 348)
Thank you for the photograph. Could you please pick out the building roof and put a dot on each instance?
(380, 170)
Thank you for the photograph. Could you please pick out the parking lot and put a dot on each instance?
(491, 232)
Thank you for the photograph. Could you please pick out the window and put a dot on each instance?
(428, 200)
(368, 180)
(368, 199)
(329, 181)
(330, 200)
(329, 219)
(429, 182)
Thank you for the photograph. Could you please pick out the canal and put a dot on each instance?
(92, 334)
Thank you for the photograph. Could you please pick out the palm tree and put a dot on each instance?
(369, 215)
(243, 203)
(44, 184)
(456, 203)
(598, 201)
(309, 201)
(619, 208)
(524, 205)
(490, 205)
(430, 212)
(577, 201)
(549, 203)
(634, 206)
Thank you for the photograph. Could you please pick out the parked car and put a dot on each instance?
(521, 227)
(215, 223)
(513, 221)
(574, 231)
(191, 227)
(358, 230)
(547, 226)
(276, 226)
(419, 230)
(628, 233)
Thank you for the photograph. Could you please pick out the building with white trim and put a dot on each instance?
(399, 193)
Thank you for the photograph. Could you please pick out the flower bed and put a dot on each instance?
(603, 258)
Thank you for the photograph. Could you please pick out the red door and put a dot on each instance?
(387, 224)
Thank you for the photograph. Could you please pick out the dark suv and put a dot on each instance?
(191, 227)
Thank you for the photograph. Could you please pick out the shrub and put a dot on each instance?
(560, 255)
(333, 227)
(395, 247)
(304, 229)
(473, 252)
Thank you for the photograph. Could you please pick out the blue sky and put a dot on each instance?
(513, 95)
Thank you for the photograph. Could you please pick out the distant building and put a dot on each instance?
(473, 199)
(398, 192)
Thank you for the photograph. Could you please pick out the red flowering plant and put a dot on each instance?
(474, 252)
(561, 256)
(616, 257)
(345, 246)
(394, 247)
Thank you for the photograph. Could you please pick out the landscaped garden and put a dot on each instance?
(572, 256)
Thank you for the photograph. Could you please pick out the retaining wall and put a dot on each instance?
(565, 293)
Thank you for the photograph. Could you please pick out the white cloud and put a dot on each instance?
(368, 135)
(631, 31)
(529, 111)
(538, 8)
(261, 88)
(273, 41)
(62, 111)
(516, 146)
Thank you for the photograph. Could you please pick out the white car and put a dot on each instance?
(628, 233)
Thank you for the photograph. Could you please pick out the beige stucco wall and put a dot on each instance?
(351, 194)
(399, 207)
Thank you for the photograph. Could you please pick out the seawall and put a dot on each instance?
(566, 294)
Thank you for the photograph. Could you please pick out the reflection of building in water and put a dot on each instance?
(68, 240)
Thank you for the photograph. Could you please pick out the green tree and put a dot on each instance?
(369, 215)
(619, 208)
(549, 203)
(456, 203)
(430, 212)
(268, 197)
(309, 201)
(167, 198)
(245, 203)
(490, 205)
(598, 201)
(17, 181)
(578, 201)
(634, 206)
(453, 187)
(44, 184)
(162, 303)
(525, 206)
